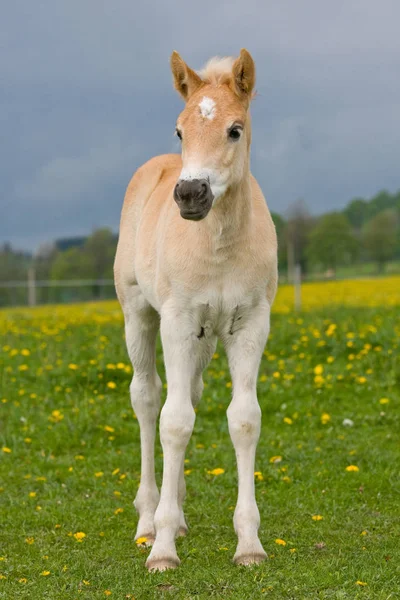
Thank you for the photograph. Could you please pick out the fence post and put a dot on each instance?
(297, 288)
(31, 286)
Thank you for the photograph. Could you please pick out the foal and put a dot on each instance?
(197, 258)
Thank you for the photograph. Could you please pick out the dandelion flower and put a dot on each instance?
(317, 517)
(353, 468)
(79, 536)
(45, 573)
(275, 459)
(217, 471)
(141, 540)
(6, 450)
(325, 418)
(280, 542)
(362, 583)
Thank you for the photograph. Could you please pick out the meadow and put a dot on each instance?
(327, 468)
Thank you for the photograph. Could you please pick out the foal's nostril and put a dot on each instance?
(189, 191)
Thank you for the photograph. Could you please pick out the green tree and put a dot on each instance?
(380, 237)
(72, 264)
(280, 226)
(100, 248)
(357, 212)
(331, 242)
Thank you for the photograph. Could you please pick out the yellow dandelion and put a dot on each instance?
(141, 540)
(118, 511)
(73, 366)
(45, 573)
(79, 536)
(30, 540)
(259, 476)
(6, 450)
(99, 474)
(353, 468)
(325, 418)
(107, 592)
(32, 494)
(288, 420)
(317, 517)
(280, 542)
(275, 459)
(115, 471)
(362, 583)
(23, 580)
(318, 370)
(112, 385)
(384, 401)
(217, 471)
(109, 429)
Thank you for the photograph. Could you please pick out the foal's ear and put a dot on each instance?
(186, 81)
(244, 75)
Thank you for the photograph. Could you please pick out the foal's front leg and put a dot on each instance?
(179, 341)
(244, 345)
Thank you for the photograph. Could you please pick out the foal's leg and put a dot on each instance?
(244, 344)
(180, 340)
(141, 326)
(205, 350)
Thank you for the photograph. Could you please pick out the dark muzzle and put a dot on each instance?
(194, 198)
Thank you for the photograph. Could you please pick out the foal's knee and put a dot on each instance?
(244, 420)
(145, 395)
(176, 424)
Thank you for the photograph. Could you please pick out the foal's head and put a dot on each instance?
(214, 128)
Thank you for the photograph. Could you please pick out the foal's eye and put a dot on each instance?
(234, 133)
(179, 134)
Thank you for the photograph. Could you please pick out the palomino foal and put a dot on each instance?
(197, 258)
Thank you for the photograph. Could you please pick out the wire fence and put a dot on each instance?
(33, 292)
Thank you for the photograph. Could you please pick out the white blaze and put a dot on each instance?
(207, 108)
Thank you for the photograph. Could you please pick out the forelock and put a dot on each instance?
(217, 70)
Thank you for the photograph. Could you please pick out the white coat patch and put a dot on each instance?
(207, 108)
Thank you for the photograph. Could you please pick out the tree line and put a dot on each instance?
(365, 232)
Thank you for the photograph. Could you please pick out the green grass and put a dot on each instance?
(358, 538)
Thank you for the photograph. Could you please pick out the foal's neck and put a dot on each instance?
(232, 212)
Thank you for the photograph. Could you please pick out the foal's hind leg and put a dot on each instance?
(205, 350)
(141, 326)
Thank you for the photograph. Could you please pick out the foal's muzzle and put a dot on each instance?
(194, 198)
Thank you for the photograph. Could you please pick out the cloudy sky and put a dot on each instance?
(86, 97)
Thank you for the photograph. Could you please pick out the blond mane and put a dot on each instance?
(218, 70)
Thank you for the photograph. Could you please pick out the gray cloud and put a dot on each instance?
(87, 97)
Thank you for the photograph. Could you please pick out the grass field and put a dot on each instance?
(327, 470)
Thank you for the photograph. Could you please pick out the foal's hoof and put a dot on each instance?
(162, 564)
(182, 531)
(249, 559)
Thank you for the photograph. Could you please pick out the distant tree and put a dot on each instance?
(100, 248)
(280, 226)
(72, 264)
(380, 237)
(332, 243)
(357, 212)
(299, 225)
